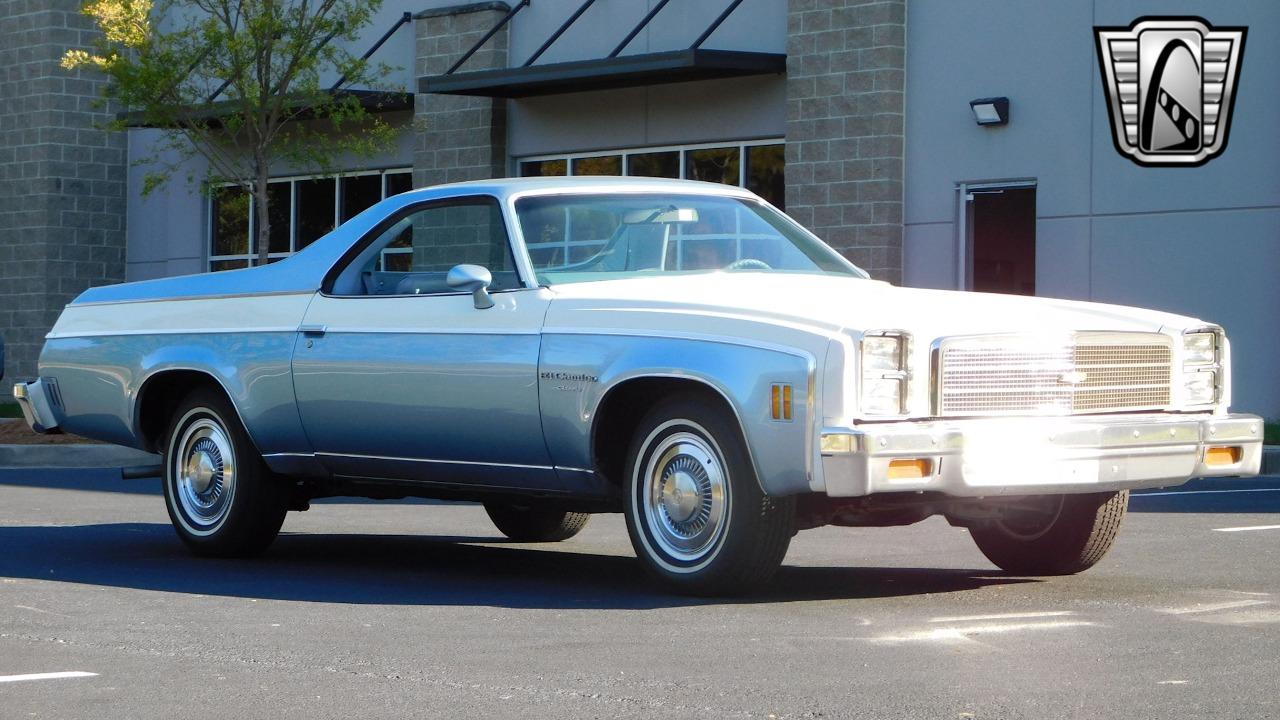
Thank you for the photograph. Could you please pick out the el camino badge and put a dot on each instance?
(569, 382)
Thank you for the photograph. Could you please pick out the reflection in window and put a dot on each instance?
(654, 164)
(398, 182)
(300, 210)
(544, 168)
(717, 165)
(765, 176)
(279, 208)
(315, 209)
(230, 221)
(603, 165)
(414, 256)
(219, 265)
(648, 233)
(359, 193)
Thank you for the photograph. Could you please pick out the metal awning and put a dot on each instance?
(613, 71)
(606, 73)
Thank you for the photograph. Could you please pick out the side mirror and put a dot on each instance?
(473, 279)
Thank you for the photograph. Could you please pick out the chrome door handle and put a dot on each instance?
(313, 330)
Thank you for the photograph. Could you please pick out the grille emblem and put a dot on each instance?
(1073, 377)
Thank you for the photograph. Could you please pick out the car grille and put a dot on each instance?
(1081, 373)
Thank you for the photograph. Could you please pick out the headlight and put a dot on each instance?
(1200, 348)
(884, 373)
(1202, 367)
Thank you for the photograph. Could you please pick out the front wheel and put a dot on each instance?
(221, 497)
(1053, 534)
(697, 517)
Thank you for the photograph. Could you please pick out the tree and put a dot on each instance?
(240, 83)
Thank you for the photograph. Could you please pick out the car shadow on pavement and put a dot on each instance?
(417, 570)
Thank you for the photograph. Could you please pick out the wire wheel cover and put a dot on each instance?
(204, 467)
(685, 493)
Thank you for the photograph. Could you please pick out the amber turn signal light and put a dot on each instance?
(910, 468)
(781, 406)
(1222, 455)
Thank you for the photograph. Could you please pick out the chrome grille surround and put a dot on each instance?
(1064, 374)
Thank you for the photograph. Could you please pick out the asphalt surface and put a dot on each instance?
(366, 609)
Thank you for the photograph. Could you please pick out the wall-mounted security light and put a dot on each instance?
(990, 111)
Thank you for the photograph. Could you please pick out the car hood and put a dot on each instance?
(831, 304)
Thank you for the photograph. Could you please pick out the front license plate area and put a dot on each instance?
(1013, 455)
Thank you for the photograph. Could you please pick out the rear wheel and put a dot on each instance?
(222, 499)
(697, 517)
(530, 524)
(1053, 534)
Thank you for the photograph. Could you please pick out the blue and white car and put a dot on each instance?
(680, 352)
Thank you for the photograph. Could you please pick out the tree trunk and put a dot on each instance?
(262, 214)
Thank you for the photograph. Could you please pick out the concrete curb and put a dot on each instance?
(73, 456)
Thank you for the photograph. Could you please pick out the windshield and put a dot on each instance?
(580, 238)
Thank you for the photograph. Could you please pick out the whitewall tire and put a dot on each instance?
(222, 499)
(697, 517)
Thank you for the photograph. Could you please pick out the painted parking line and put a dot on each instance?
(1001, 616)
(968, 633)
(1215, 607)
(46, 676)
(1247, 528)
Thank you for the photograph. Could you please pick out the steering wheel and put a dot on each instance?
(748, 264)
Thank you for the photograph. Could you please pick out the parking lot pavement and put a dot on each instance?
(420, 610)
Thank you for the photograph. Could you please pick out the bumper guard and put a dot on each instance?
(37, 408)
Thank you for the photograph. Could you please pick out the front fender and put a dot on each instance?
(578, 371)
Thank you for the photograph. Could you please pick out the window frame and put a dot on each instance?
(343, 264)
(251, 258)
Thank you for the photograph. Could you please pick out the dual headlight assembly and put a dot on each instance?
(1202, 352)
(884, 362)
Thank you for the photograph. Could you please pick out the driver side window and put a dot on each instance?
(414, 255)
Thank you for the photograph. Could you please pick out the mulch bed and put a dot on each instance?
(16, 432)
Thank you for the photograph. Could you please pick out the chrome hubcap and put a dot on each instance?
(686, 501)
(204, 465)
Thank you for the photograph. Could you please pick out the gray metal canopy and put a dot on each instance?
(613, 71)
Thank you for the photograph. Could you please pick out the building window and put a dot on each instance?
(576, 234)
(758, 165)
(302, 210)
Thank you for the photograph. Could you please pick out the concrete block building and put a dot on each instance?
(854, 116)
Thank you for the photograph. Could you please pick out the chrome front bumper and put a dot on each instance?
(973, 458)
(37, 406)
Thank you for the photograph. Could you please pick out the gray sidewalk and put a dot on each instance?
(74, 456)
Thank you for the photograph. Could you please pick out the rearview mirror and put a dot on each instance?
(667, 215)
(473, 279)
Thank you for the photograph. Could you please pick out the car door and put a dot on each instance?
(399, 376)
